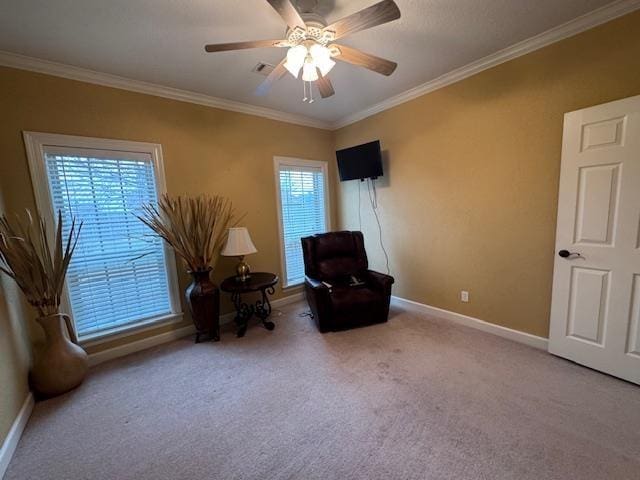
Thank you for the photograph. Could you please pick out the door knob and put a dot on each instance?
(567, 254)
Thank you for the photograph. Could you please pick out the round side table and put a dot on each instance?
(262, 282)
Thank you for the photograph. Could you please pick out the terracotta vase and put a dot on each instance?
(62, 365)
(203, 299)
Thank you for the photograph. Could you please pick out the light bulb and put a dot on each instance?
(309, 73)
(295, 59)
(322, 58)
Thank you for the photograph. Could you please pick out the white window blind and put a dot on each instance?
(303, 213)
(118, 274)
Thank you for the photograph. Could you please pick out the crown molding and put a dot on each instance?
(71, 72)
(566, 30)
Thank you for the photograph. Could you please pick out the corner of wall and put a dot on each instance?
(15, 353)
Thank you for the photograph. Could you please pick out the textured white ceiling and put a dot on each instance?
(161, 41)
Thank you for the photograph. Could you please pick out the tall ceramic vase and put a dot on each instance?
(203, 299)
(62, 365)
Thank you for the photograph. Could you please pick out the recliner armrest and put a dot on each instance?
(319, 299)
(316, 285)
(380, 281)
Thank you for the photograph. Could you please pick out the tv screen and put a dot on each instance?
(360, 162)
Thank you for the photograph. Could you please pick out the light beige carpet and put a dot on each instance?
(416, 398)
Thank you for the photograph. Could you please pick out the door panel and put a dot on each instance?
(597, 204)
(595, 310)
(588, 304)
(607, 133)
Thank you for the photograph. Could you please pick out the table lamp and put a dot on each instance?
(238, 245)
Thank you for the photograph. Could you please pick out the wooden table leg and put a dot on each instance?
(263, 308)
(244, 312)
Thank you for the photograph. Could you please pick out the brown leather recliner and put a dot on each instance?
(334, 258)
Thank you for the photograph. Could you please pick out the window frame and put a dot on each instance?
(36, 144)
(279, 161)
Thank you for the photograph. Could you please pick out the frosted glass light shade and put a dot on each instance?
(309, 72)
(322, 58)
(325, 66)
(238, 243)
(295, 59)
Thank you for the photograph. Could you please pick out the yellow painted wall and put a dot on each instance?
(469, 199)
(14, 356)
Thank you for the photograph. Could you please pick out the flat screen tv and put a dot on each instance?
(360, 162)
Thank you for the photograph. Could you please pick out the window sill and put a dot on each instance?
(97, 338)
(293, 287)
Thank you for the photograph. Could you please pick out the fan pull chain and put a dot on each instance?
(306, 86)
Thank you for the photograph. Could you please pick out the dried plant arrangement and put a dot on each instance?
(195, 227)
(26, 256)
(39, 270)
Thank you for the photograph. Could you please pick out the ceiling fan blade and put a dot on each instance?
(288, 13)
(366, 60)
(275, 75)
(223, 47)
(324, 86)
(381, 12)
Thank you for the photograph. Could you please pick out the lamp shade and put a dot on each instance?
(238, 243)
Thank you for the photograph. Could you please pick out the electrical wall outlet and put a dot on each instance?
(464, 296)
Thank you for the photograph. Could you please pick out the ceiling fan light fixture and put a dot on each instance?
(309, 41)
(295, 59)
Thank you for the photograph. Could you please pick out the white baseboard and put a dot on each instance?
(13, 437)
(289, 299)
(152, 341)
(138, 345)
(516, 335)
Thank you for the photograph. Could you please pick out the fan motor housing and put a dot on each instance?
(315, 30)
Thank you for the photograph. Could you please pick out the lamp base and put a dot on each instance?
(243, 271)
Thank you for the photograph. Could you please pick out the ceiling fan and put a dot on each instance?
(311, 45)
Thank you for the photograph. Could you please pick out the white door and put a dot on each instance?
(595, 312)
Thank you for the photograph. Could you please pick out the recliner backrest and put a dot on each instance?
(334, 256)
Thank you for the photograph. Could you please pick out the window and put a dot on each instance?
(120, 276)
(302, 209)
